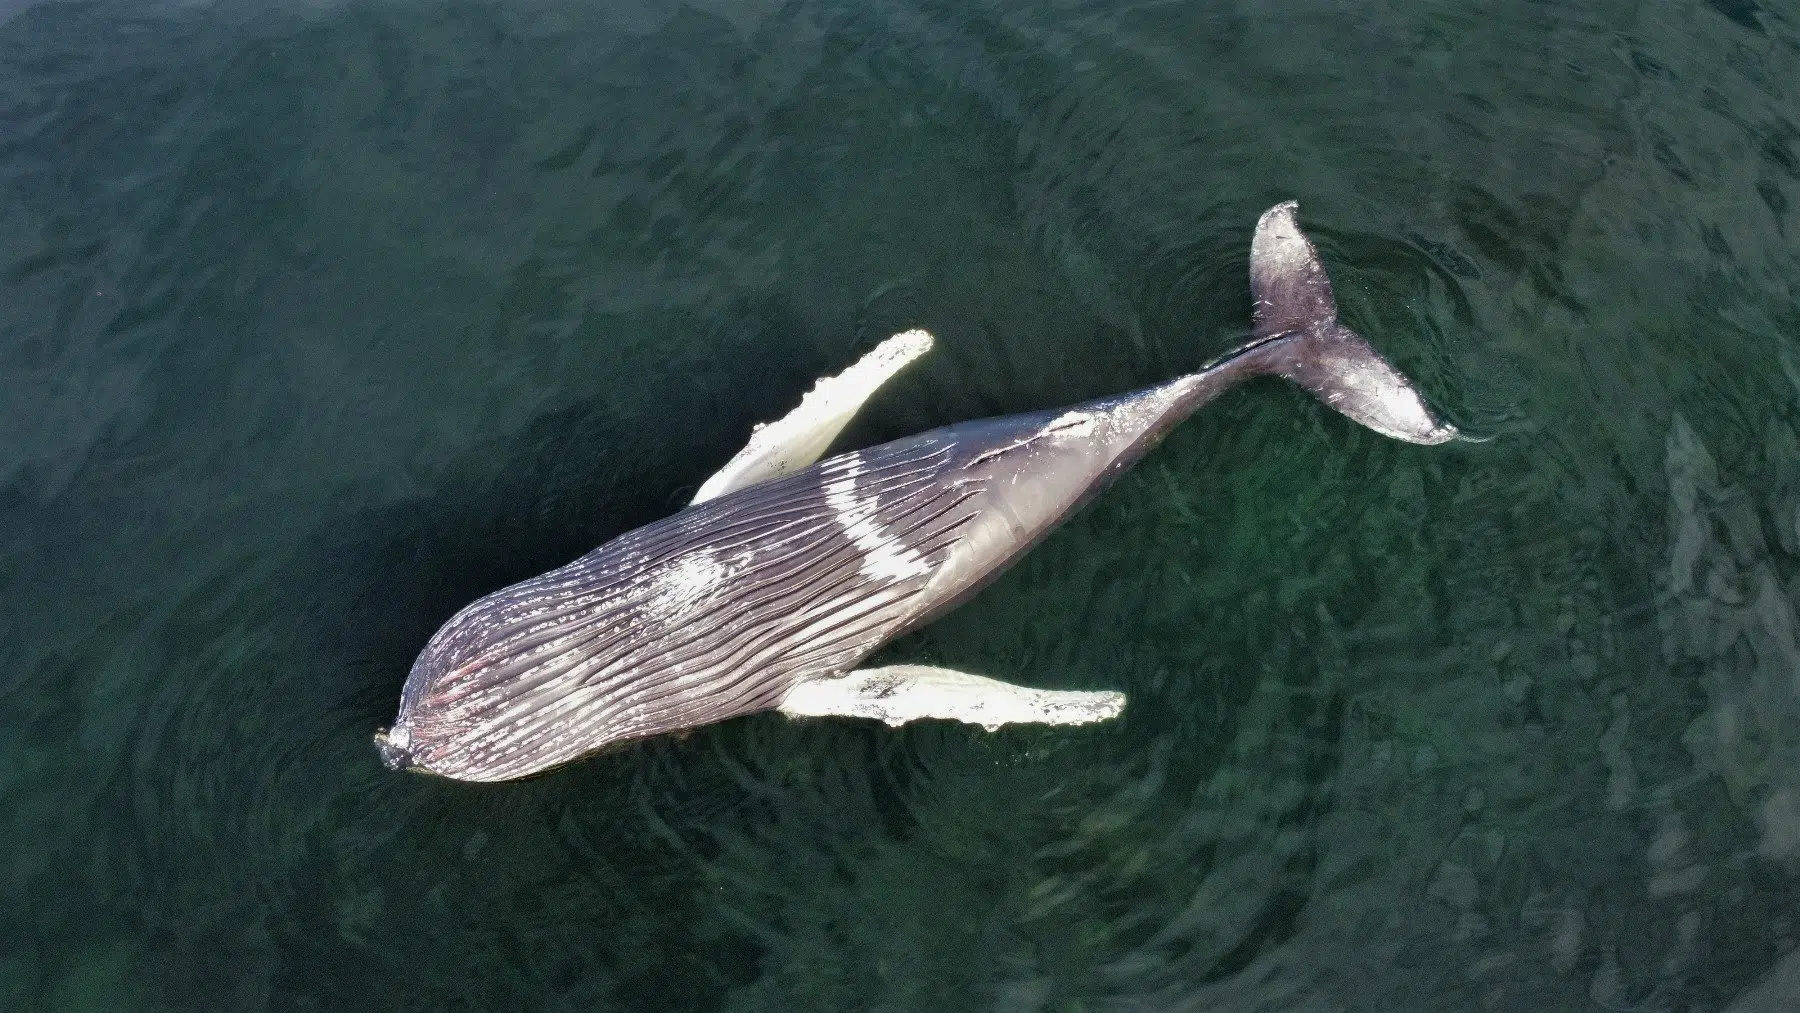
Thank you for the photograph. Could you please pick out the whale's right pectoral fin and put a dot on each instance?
(802, 435)
(897, 694)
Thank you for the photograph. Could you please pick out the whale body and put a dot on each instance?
(768, 592)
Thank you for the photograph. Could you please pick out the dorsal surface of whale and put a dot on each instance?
(771, 589)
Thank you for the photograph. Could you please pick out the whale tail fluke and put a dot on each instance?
(1297, 336)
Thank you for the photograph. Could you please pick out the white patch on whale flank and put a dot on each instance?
(884, 556)
(684, 583)
(1074, 422)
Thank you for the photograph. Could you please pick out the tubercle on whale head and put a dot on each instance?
(395, 746)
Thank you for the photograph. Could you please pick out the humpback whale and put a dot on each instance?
(786, 571)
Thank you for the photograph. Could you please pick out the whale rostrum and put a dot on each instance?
(787, 571)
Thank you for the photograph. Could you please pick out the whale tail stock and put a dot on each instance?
(1297, 336)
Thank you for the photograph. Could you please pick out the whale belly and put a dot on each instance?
(719, 610)
(706, 615)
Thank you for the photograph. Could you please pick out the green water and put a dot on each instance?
(320, 319)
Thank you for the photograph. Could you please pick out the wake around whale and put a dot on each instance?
(769, 590)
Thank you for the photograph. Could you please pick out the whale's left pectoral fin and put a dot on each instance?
(897, 694)
(802, 435)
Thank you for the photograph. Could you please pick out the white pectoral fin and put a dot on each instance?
(897, 694)
(802, 435)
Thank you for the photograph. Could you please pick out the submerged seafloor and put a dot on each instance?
(318, 320)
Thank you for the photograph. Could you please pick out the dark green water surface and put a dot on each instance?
(320, 319)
